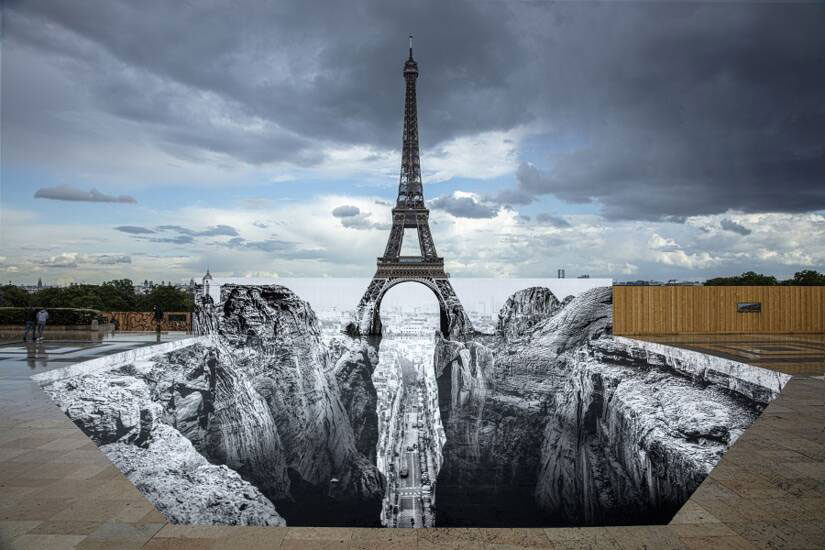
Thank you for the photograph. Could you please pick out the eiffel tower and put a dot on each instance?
(410, 212)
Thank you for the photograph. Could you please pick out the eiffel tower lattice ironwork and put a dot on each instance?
(411, 213)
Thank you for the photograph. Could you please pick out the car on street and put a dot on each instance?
(404, 472)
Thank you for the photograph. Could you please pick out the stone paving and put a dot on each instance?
(58, 491)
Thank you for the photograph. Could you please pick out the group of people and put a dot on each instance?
(35, 323)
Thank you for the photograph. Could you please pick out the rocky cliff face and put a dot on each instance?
(524, 310)
(185, 487)
(133, 413)
(626, 442)
(354, 361)
(265, 398)
(553, 422)
(270, 337)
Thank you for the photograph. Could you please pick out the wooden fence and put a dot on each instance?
(145, 320)
(715, 309)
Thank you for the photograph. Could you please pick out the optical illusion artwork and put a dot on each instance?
(277, 412)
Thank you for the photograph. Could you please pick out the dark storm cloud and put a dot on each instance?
(555, 221)
(510, 197)
(651, 110)
(73, 194)
(345, 211)
(730, 225)
(134, 229)
(306, 71)
(353, 218)
(673, 110)
(463, 207)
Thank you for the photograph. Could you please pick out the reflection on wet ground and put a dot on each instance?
(22, 359)
(788, 353)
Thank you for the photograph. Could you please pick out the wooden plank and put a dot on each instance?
(693, 310)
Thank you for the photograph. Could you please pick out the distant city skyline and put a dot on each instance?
(344, 293)
(632, 140)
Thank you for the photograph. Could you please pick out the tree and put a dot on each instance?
(168, 298)
(49, 297)
(86, 301)
(118, 295)
(749, 278)
(14, 296)
(806, 277)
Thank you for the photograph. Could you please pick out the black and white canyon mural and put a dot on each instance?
(271, 415)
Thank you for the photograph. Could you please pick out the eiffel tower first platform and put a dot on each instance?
(410, 212)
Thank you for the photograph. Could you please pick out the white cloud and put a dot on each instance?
(304, 238)
(657, 242)
(74, 259)
(482, 156)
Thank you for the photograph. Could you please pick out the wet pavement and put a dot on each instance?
(20, 360)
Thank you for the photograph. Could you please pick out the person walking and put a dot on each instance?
(31, 320)
(158, 311)
(42, 317)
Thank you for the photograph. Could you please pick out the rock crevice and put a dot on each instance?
(555, 422)
(264, 399)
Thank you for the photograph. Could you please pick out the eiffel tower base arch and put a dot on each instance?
(455, 324)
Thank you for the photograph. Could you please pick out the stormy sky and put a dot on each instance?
(627, 140)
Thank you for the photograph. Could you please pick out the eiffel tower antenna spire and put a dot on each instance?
(411, 213)
(410, 190)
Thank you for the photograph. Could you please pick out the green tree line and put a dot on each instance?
(117, 295)
(806, 277)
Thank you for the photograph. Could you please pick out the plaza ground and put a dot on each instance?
(57, 490)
